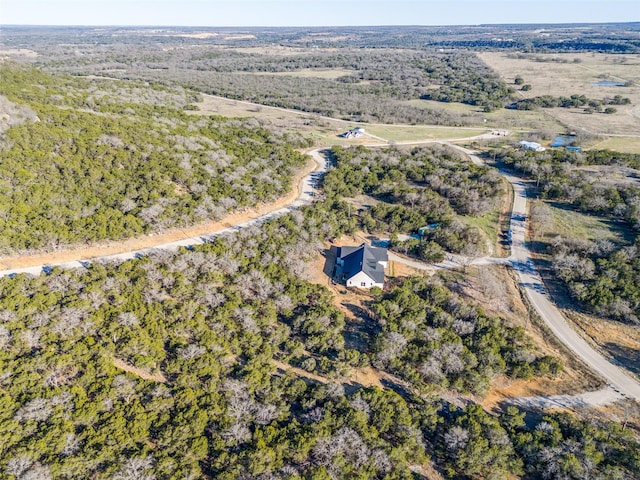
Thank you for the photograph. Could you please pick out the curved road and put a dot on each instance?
(620, 384)
(307, 191)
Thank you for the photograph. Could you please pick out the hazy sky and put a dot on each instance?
(313, 12)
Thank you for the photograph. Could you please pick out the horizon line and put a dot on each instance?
(313, 26)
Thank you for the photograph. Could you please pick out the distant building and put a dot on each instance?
(536, 147)
(362, 266)
(355, 133)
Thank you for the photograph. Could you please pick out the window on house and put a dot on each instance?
(363, 284)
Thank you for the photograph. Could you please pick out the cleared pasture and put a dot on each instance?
(325, 130)
(567, 74)
(619, 144)
(416, 133)
(569, 223)
(326, 73)
(501, 118)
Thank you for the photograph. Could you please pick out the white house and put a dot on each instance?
(536, 147)
(355, 133)
(361, 267)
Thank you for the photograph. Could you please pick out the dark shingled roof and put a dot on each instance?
(363, 258)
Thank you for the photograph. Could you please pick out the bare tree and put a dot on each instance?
(237, 433)
(456, 438)
(5, 337)
(136, 469)
(37, 409)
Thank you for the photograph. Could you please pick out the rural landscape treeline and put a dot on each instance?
(241, 357)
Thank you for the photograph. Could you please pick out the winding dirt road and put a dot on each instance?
(302, 195)
(620, 384)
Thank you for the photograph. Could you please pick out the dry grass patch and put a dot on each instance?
(578, 76)
(493, 288)
(567, 223)
(139, 372)
(618, 144)
(416, 133)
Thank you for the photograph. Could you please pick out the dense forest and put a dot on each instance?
(373, 87)
(588, 105)
(100, 159)
(429, 185)
(601, 274)
(225, 360)
(164, 367)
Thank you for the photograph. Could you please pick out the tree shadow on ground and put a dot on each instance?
(628, 357)
(358, 334)
(532, 416)
(329, 255)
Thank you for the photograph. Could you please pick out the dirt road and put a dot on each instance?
(303, 194)
(530, 280)
(620, 384)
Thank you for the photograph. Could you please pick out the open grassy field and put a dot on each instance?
(619, 144)
(579, 75)
(415, 133)
(569, 223)
(501, 118)
(488, 224)
(326, 73)
(325, 131)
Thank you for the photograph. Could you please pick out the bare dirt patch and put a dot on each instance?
(626, 413)
(144, 374)
(285, 367)
(428, 471)
(359, 377)
(493, 288)
(149, 241)
(399, 270)
(352, 303)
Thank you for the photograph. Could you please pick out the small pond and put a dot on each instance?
(563, 140)
(609, 83)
